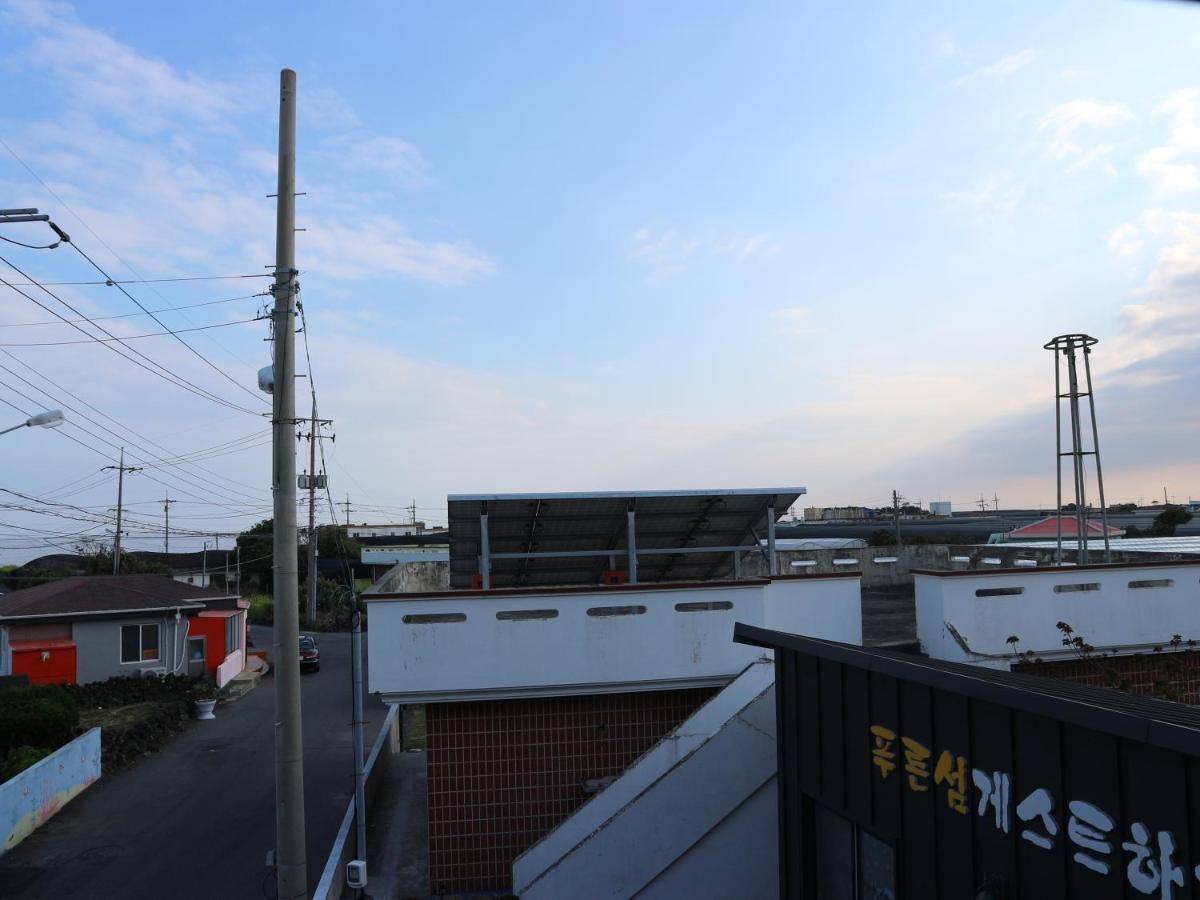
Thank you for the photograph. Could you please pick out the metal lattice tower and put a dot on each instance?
(1069, 347)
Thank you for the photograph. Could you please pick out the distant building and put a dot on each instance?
(375, 531)
(577, 632)
(1048, 528)
(90, 628)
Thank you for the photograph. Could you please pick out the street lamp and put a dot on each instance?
(52, 418)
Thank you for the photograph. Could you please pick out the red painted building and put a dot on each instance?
(85, 629)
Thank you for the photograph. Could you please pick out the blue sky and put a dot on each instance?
(577, 246)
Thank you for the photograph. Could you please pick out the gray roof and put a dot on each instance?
(584, 528)
(98, 594)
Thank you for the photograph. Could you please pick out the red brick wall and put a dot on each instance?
(502, 773)
(1176, 672)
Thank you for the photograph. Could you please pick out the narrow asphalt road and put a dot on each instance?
(197, 819)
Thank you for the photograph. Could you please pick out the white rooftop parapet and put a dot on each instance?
(968, 616)
(478, 645)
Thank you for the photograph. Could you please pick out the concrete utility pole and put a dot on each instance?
(167, 501)
(291, 870)
(121, 470)
(314, 482)
(347, 505)
(356, 698)
(311, 618)
(896, 498)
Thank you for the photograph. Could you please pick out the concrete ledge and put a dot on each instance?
(30, 799)
(333, 877)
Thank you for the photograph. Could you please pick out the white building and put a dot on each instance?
(581, 630)
(403, 529)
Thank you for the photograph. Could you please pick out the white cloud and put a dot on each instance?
(108, 77)
(667, 250)
(378, 245)
(389, 156)
(1066, 124)
(795, 319)
(1001, 68)
(1125, 241)
(1175, 166)
(1003, 197)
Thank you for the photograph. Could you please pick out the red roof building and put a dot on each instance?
(1047, 529)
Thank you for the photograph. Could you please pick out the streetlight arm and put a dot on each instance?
(49, 419)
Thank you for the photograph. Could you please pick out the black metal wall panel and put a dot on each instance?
(954, 844)
(982, 791)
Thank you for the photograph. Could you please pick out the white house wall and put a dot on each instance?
(1114, 616)
(468, 645)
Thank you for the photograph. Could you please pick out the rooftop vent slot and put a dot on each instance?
(434, 618)
(1072, 588)
(999, 592)
(1152, 583)
(703, 606)
(524, 615)
(608, 611)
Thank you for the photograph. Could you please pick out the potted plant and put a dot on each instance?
(205, 697)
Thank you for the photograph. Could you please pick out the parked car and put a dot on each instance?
(310, 654)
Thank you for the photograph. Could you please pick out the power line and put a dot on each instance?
(95, 265)
(127, 315)
(112, 283)
(134, 337)
(108, 280)
(30, 246)
(125, 428)
(159, 370)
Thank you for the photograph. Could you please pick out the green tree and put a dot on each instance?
(1168, 520)
(881, 537)
(98, 560)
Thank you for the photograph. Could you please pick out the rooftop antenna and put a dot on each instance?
(1069, 347)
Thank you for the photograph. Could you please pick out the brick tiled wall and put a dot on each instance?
(502, 773)
(1178, 670)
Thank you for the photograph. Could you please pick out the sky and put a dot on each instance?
(598, 246)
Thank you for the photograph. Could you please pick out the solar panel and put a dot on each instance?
(573, 538)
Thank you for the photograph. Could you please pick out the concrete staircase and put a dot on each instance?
(695, 816)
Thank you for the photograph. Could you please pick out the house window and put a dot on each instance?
(851, 864)
(233, 634)
(1073, 588)
(139, 643)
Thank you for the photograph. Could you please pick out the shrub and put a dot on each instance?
(37, 715)
(262, 610)
(18, 760)
(124, 690)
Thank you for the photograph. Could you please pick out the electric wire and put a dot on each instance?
(255, 497)
(131, 315)
(159, 370)
(109, 280)
(133, 337)
(95, 265)
(29, 246)
(183, 478)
